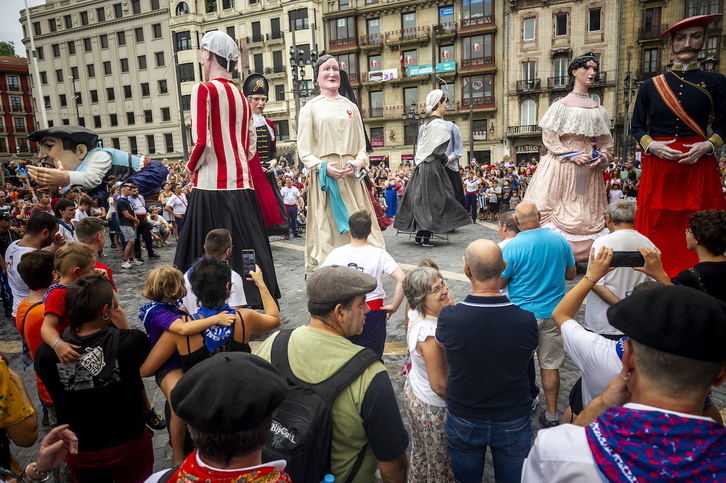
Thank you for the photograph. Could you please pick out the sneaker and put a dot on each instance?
(427, 244)
(417, 240)
(546, 424)
(136, 261)
(153, 420)
(125, 264)
(154, 255)
(535, 403)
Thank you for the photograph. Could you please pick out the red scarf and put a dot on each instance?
(190, 472)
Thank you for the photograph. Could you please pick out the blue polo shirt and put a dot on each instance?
(536, 264)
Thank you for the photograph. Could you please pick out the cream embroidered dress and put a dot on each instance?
(571, 198)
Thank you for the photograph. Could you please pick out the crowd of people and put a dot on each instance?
(649, 350)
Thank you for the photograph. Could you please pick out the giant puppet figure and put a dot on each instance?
(223, 195)
(670, 121)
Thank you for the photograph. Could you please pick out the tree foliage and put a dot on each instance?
(7, 49)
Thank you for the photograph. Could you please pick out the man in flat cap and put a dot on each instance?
(365, 415)
(219, 169)
(649, 424)
(228, 427)
(670, 121)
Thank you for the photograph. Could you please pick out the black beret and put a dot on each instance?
(255, 84)
(77, 134)
(229, 392)
(674, 319)
(336, 283)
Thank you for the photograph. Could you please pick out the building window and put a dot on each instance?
(410, 99)
(227, 4)
(154, 4)
(159, 57)
(16, 104)
(117, 10)
(703, 7)
(46, 103)
(113, 120)
(110, 94)
(84, 18)
(124, 65)
(376, 102)
(148, 116)
(74, 73)
(283, 130)
(182, 8)
(87, 44)
(139, 34)
(478, 13)
(258, 63)
(107, 67)
(477, 50)
(342, 31)
(145, 89)
(96, 122)
(277, 61)
(19, 124)
(36, 28)
(559, 69)
(373, 26)
(103, 40)
(594, 20)
(116, 143)
(446, 53)
(477, 90)
(408, 24)
(70, 47)
(156, 30)
(528, 113)
(68, 21)
(298, 19)
(169, 142)
(127, 92)
(374, 63)
(150, 144)
(183, 40)
(410, 133)
(231, 32)
(528, 28)
(529, 70)
(94, 96)
(595, 98)
(56, 50)
(561, 23)
(136, 6)
(121, 38)
(142, 62)
(130, 118)
(210, 6)
(78, 98)
(280, 92)
(132, 145)
(348, 63)
(409, 57)
(650, 63)
(52, 25)
(165, 114)
(14, 82)
(186, 72)
(377, 137)
(275, 28)
(711, 48)
(186, 102)
(101, 14)
(59, 75)
(43, 77)
(39, 51)
(162, 87)
(343, 4)
(256, 32)
(62, 101)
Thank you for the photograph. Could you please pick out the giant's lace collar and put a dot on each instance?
(576, 120)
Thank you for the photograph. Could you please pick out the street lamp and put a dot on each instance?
(709, 63)
(412, 118)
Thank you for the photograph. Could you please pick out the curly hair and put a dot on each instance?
(209, 279)
(577, 62)
(709, 229)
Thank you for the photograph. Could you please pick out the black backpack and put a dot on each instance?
(302, 429)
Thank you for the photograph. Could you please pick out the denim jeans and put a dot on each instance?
(468, 441)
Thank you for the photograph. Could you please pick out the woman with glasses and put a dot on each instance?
(429, 206)
(425, 387)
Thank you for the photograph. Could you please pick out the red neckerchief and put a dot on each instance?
(191, 472)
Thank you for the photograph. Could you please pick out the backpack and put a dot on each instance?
(302, 429)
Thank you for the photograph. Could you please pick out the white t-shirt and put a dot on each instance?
(178, 204)
(418, 378)
(620, 281)
(80, 214)
(236, 294)
(374, 261)
(12, 257)
(289, 195)
(615, 195)
(594, 355)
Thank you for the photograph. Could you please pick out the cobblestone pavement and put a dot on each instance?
(288, 256)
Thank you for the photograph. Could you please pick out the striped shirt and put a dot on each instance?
(224, 137)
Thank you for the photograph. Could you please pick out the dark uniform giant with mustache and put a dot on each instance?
(670, 121)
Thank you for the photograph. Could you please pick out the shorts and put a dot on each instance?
(493, 207)
(129, 232)
(551, 350)
(504, 207)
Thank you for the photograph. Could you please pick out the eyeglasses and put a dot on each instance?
(437, 290)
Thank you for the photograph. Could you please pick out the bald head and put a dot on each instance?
(484, 259)
(527, 215)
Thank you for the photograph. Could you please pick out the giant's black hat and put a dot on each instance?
(255, 84)
(77, 134)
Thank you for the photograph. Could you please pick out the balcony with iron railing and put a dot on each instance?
(370, 41)
(526, 130)
(477, 62)
(478, 102)
(342, 43)
(473, 23)
(560, 82)
(652, 32)
(529, 85)
(446, 30)
(411, 35)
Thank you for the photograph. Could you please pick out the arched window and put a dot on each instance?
(595, 98)
(528, 113)
(182, 8)
(557, 99)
